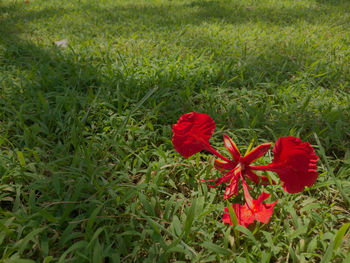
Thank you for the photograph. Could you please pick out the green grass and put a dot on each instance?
(87, 169)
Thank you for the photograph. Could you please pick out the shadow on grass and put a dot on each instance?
(31, 73)
(67, 81)
(344, 3)
(196, 12)
(129, 17)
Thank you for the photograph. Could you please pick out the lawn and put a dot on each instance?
(88, 172)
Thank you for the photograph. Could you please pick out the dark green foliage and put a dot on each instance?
(87, 169)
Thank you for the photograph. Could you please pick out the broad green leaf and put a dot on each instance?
(68, 234)
(193, 252)
(157, 236)
(168, 206)
(265, 257)
(339, 236)
(42, 100)
(227, 237)
(269, 240)
(177, 248)
(97, 256)
(5, 229)
(347, 259)
(310, 207)
(136, 107)
(312, 245)
(44, 244)
(296, 220)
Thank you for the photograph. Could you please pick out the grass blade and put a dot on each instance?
(137, 106)
(247, 232)
(339, 236)
(330, 170)
(216, 248)
(328, 254)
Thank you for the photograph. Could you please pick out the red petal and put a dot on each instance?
(232, 148)
(220, 180)
(223, 166)
(265, 211)
(226, 217)
(232, 189)
(295, 163)
(248, 199)
(192, 132)
(260, 211)
(256, 153)
(262, 197)
(244, 215)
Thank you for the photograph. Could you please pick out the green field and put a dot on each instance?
(88, 172)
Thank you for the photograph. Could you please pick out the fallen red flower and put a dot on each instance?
(191, 135)
(295, 163)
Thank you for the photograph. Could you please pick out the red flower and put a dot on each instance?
(252, 210)
(239, 166)
(191, 135)
(295, 162)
